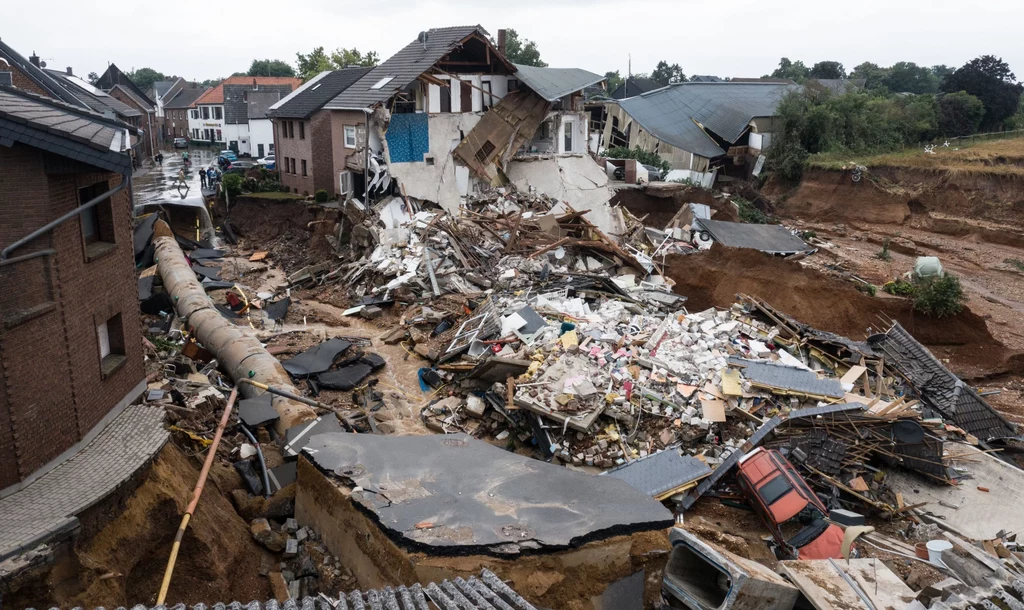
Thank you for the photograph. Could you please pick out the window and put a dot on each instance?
(568, 128)
(218, 112)
(259, 150)
(293, 165)
(485, 151)
(345, 183)
(31, 273)
(195, 114)
(350, 136)
(488, 99)
(206, 112)
(219, 137)
(283, 128)
(97, 221)
(513, 84)
(382, 82)
(545, 130)
(446, 99)
(304, 168)
(291, 129)
(771, 491)
(110, 338)
(302, 130)
(271, 148)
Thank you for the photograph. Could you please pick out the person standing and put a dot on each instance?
(202, 177)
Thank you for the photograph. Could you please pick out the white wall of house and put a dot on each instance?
(498, 84)
(261, 132)
(236, 135)
(550, 138)
(205, 127)
(760, 141)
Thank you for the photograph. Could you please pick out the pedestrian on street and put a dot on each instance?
(202, 177)
(180, 180)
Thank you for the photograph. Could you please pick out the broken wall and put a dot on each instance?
(437, 178)
(561, 579)
(345, 157)
(577, 181)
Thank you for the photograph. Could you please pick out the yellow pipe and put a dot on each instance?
(196, 493)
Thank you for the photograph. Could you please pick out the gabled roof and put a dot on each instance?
(113, 76)
(634, 86)
(161, 87)
(37, 75)
(184, 98)
(96, 99)
(319, 90)
(143, 102)
(216, 94)
(404, 67)
(236, 96)
(63, 129)
(705, 78)
(679, 114)
(555, 83)
(259, 103)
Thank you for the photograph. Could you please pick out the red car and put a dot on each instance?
(793, 513)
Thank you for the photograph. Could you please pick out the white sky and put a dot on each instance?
(730, 38)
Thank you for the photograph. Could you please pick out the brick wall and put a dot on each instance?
(298, 149)
(319, 130)
(52, 390)
(353, 159)
(21, 81)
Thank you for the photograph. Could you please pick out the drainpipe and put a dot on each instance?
(125, 181)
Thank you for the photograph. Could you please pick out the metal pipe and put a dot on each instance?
(289, 395)
(263, 463)
(25, 257)
(125, 180)
(196, 493)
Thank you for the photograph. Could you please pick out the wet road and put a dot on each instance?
(158, 185)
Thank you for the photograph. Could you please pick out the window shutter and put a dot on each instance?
(104, 338)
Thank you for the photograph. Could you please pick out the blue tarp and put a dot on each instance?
(408, 137)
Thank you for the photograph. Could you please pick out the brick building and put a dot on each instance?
(313, 146)
(70, 338)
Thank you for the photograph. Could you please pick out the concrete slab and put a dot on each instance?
(454, 493)
(823, 584)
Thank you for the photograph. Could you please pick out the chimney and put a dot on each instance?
(501, 41)
(70, 71)
(34, 59)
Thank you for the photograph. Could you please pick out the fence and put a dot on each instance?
(975, 138)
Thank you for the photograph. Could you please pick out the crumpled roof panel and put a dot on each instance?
(555, 83)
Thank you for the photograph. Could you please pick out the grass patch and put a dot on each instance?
(1016, 263)
(994, 158)
(273, 195)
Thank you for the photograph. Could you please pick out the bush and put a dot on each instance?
(643, 156)
(939, 296)
(749, 213)
(320, 196)
(883, 254)
(960, 114)
(233, 184)
(900, 288)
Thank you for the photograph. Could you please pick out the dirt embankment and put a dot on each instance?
(659, 209)
(894, 195)
(123, 563)
(830, 304)
(294, 231)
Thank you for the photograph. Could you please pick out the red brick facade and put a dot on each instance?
(53, 387)
(19, 80)
(323, 149)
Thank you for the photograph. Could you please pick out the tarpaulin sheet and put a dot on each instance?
(408, 137)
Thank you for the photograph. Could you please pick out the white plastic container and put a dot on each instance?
(936, 548)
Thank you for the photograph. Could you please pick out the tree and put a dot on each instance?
(793, 70)
(614, 80)
(145, 77)
(960, 113)
(664, 74)
(270, 67)
(523, 51)
(92, 78)
(211, 82)
(317, 61)
(908, 77)
(941, 71)
(828, 69)
(989, 79)
(874, 75)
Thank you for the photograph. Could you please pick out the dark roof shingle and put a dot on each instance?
(318, 91)
(53, 87)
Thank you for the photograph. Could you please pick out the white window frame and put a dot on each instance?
(345, 184)
(355, 136)
(103, 335)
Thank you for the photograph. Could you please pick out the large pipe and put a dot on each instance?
(211, 454)
(239, 352)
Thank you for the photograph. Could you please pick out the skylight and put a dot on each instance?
(382, 82)
(315, 87)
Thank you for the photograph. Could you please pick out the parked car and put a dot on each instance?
(228, 154)
(793, 513)
(269, 162)
(653, 173)
(239, 167)
(181, 142)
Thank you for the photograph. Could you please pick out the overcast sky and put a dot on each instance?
(730, 38)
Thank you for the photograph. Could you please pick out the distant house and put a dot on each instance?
(176, 110)
(220, 114)
(633, 86)
(118, 85)
(162, 92)
(261, 129)
(70, 336)
(317, 148)
(699, 128)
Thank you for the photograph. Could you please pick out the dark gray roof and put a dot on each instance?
(161, 87)
(555, 83)
(95, 99)
(673, 113)
(634, 86)
(705, 78)
(940, 389)
(236, 106)
(64, 130)
(37, 75)
(113, 76)
(403, 67)
(184, 98)
(773, 239)
(661, 472)
(260, 102)
(318, 91)
(507, 503)
(787, 378)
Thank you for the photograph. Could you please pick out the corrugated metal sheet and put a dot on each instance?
(555, 83)
(661, 472)
(773, 239)
(403, 67)
(676, 113)
(787, 378)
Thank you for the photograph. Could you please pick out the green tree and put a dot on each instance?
(941, 71)
(614, 80)
(664, 73)
(145, 77)
(827, 69)
(317, 61)
(793, 70)
(210, 82)
(92, 78)
(908, 77)
(960, 113)
(352, 58)
(939, 297)
(873, 74)
(270, 67)
(989, 79)
(522, 51)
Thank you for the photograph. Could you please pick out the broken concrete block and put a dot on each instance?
(302, 534)
(475, 406)
(371, 312)
(291, 547)
(278, 586)
(265, 535)
(293, 589)
(291, 525)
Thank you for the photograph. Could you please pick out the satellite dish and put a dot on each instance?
(42, 64)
